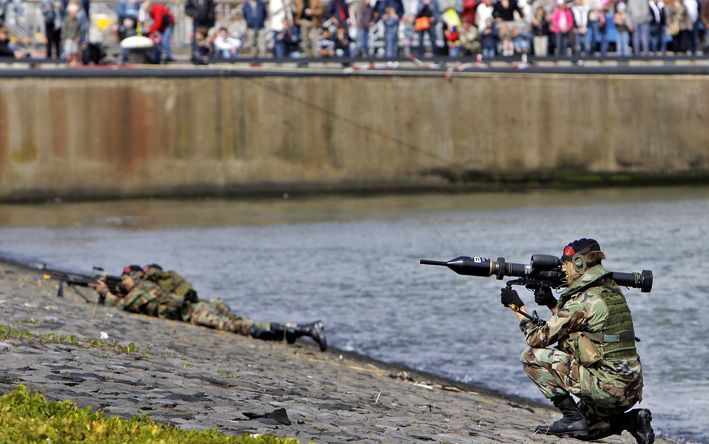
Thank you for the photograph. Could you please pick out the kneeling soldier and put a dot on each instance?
(595, 358)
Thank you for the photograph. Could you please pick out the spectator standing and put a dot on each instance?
(580, 33)
(255, 16)
(52, 13)
(71, 34)
(427, 15)
(364, 18)
(339, 11)
(693, 14)
(391, 32)
(483, 11)
(562, 23)
(127, 9)
(309, 16)
(596, 21)
(457, 5)
(469, 11)
(658, 44)
(623, 27)
(281, 15)
(704, 17)
(540, 32)
(226, 47)
(381, 5)
(504, 10)
(84, 22)
(504, 14)
(163, 25)
(524, 14)
(678, 25)
(607, 14)
(639, 15)
(203, 15)
(488, 38)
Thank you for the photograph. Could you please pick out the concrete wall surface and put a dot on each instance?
(101, 137)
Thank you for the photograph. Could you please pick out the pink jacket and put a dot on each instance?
(556, 20)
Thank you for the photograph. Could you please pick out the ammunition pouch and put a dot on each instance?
(615, 346)
(585, 350)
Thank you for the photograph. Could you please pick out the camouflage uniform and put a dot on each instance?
(595, 359)
(148, 298)
(216, 314)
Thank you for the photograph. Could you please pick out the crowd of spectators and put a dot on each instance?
(394, 28)
(386, 28)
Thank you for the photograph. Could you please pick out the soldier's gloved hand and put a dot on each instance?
(543, 296)
(509, 297)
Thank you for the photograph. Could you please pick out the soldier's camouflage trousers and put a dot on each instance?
(216, 314)
(557, 373)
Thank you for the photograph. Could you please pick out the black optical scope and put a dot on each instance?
(543, 269)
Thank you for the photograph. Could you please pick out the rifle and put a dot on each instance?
(543, 270)
(72, 278)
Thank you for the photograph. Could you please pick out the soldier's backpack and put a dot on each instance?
(174, 284)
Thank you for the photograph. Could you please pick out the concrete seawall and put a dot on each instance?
(120, 137)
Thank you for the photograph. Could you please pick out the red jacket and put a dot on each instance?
(162, 18)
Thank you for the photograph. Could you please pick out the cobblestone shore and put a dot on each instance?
(196, 378)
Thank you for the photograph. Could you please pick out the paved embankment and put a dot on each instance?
(194, 377)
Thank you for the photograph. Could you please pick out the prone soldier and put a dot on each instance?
(595, 358)
(167, 295)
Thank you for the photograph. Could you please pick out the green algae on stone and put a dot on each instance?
(22, 335)
(28, 417)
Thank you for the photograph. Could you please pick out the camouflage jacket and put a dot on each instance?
(148, 298)
(584, 312)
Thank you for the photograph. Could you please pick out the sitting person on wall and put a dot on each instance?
(226, 46)
(203, 49)
(7, 48)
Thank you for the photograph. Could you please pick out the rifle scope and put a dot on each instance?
(542, 267)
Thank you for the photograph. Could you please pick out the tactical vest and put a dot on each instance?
(174, 285)
(616, 339)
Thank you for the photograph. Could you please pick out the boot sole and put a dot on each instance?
(572, 434)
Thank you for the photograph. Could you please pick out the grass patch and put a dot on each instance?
(22, 334)
(28, 417)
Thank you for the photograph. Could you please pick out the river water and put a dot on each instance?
(353, 262)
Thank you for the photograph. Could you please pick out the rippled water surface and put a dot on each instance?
(353, 262)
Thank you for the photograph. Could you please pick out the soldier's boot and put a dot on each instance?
(291, 332)
(637, 422)
(314, 330)
(572, 424)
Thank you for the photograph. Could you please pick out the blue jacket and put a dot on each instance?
(255, 16)
(398, 6)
